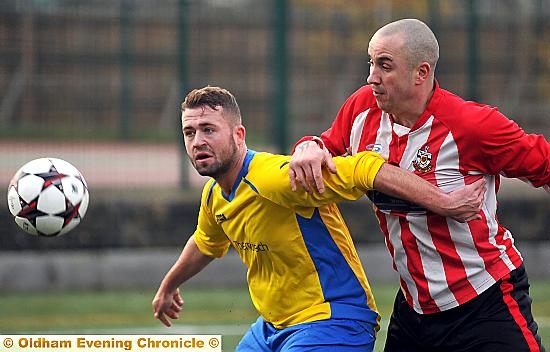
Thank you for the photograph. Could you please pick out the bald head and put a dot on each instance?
(419, 42)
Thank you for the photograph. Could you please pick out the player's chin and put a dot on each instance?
(205, 169)
(382, 103)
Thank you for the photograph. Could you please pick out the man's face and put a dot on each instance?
(390, 76)
(209, 140)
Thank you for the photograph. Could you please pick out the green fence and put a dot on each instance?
(107, 77)
(119, 69)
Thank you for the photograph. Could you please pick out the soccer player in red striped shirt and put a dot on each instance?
(463, 285)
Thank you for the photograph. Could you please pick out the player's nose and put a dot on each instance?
(373, 77)
(199, 140)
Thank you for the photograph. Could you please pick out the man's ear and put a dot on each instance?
(239, 133)
(423, 72)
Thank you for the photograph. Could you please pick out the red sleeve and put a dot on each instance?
(337, 137)
(504, 148)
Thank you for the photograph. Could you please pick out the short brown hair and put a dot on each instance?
(420, 43)
(214, 97)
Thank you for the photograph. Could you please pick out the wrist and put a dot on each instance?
(446, 204)
(319, 142)
(307, 139)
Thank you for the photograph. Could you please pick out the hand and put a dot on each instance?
(167, 305)
(465, 203)
(306, 164)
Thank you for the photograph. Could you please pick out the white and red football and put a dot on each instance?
(48, 197)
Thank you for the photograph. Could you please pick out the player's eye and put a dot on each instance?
(188, 134)
(208, 130)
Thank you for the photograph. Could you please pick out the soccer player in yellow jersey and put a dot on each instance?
(304, 274)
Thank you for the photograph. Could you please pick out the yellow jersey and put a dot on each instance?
(301, 262)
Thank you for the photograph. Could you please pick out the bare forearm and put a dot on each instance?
(190, 262)
(405, 185)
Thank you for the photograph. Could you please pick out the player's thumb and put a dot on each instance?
(331, 166)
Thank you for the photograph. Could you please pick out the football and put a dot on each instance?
(48, 197)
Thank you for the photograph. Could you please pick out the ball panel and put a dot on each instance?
(64, 167)
(29, 187)
(84, 204)
(16, 177)
(37, 166)
(51, 201)
(49, 225)
(26, 225)
(14, 204)
(73, 189)
(71, 225)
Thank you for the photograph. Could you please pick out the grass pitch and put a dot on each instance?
(228, 312)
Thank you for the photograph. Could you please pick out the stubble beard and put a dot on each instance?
(220, 166)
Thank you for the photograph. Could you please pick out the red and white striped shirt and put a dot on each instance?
(443, 263)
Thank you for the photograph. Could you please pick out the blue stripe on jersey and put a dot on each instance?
(340, 286)
(244, 171)
(251, 185)
(210, 192)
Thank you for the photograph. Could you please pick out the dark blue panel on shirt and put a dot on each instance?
(387, 203)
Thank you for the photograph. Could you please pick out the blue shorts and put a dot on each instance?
(330, 335)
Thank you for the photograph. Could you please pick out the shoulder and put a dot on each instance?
(265, 168)
(268, 160)
(459, 114)
(208, 191)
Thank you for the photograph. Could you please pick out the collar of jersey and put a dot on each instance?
(244, 170)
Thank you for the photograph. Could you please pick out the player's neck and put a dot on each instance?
(410, 114)
(227, 180)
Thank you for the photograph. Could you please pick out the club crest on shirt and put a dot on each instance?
(423, 161)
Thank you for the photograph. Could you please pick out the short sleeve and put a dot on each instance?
(209, 236)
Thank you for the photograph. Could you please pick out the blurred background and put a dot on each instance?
(99, 83)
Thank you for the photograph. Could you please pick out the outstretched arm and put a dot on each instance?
(168, 302)
(462, 204)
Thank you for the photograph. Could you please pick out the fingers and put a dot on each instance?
(302, 177)
(466, 218)
(305, 167)
(167, 307)
(297, 176)
(292, 176)
(466, 203)
(329, 163)
(171, 312)
(177, 298)
(315, 177)
(309, 176)
(481, 183)
(480, 186)
(162, 318)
